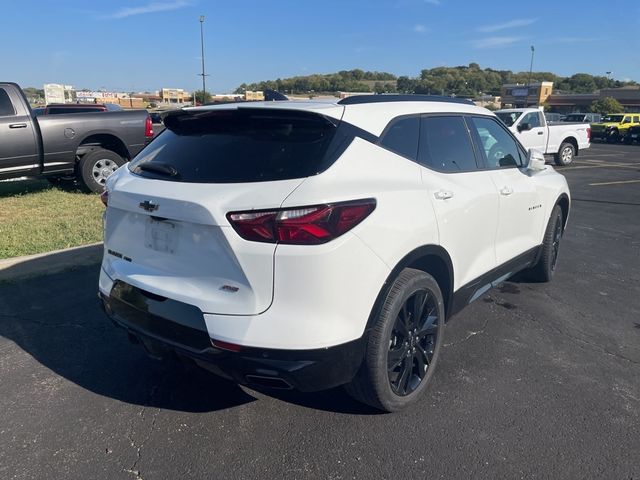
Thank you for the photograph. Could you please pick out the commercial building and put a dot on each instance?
(518, 95)
(174, 95)
(629, 98)
(58, 93)
(250, 95)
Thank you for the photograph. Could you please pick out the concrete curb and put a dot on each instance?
(51, 262)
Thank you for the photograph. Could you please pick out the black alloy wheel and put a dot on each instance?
(545, 268)
(555, 246)
(412, 343)
(403, 344)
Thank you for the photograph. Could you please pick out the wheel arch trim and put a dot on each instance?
(442, 272)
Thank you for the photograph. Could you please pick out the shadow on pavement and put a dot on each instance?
(57, 319)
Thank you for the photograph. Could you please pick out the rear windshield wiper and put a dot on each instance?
(159, 168)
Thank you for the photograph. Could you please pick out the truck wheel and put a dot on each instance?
(96, 166)
(545, 268)
(565, 154)
(403, 345)
(627, 139)
(613, 136)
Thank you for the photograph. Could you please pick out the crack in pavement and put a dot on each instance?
(593, 345)
(469, 335)
(134, 470)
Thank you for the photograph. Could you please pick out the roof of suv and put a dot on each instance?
(368, 113)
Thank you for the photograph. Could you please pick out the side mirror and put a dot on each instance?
(524, 127)
(536, 161)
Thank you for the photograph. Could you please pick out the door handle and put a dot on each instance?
(17, 125)
(443, 194)
(540, 133)
(506, 190)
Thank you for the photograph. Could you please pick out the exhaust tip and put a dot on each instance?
(268, 382)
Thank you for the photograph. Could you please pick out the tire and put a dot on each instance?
(402, 353)
(96, 166)
(627, 139)
(613, 136)
(544, 270)
(565, 154)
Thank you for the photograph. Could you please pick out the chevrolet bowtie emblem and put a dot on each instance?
(148, 206)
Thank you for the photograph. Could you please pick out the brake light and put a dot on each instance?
(148, 127)
(104, 197)
(310, 225)
(589, 133)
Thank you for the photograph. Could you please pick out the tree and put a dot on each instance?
(200, 98)
(606, 105)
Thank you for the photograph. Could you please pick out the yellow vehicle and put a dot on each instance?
(614, 127)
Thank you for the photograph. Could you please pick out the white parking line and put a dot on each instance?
(613, 183)
(608, 165)
(602, 154)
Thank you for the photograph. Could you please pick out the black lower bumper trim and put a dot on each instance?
(304, 370)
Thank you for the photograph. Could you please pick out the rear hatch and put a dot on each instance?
(166, 228)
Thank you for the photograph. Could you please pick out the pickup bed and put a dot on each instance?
(562, 140)
(84, 148)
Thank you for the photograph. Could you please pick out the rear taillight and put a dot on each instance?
(148, 128)
(589, 133)
(104, 197)
(301, 225)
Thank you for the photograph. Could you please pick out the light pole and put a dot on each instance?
(204, 88)
(530, 71)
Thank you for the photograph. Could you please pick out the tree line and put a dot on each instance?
(462, 81)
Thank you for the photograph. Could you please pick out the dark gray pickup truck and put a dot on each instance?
(79, 147)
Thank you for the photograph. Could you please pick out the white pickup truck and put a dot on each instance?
(564, 140)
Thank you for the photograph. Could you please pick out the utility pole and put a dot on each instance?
(204, 88)
(530, 72)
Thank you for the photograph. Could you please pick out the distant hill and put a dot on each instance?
(463, 81)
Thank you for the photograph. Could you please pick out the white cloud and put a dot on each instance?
(149, 8)
(496, 42)
(521, 22)
(420, 29)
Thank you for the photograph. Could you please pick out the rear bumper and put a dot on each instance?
(167, 327)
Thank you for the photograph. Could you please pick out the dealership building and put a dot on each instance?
(517, 95)
(629, 98)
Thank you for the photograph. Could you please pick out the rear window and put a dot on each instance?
(237, 146)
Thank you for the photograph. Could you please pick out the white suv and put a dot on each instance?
(308, 245)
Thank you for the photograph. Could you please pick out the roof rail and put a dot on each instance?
(360, 99)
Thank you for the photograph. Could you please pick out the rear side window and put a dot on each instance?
(237, 146)
(6, 107)
(445, 145)
(402, 137)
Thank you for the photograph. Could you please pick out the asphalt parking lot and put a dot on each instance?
(535, 381)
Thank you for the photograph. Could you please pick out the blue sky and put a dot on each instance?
(149, 44)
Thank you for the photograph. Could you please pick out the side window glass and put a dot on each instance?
(402, 137)
(445, 145)
(6, 107)
(532, 119)
(499, 148)
(636, 119)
